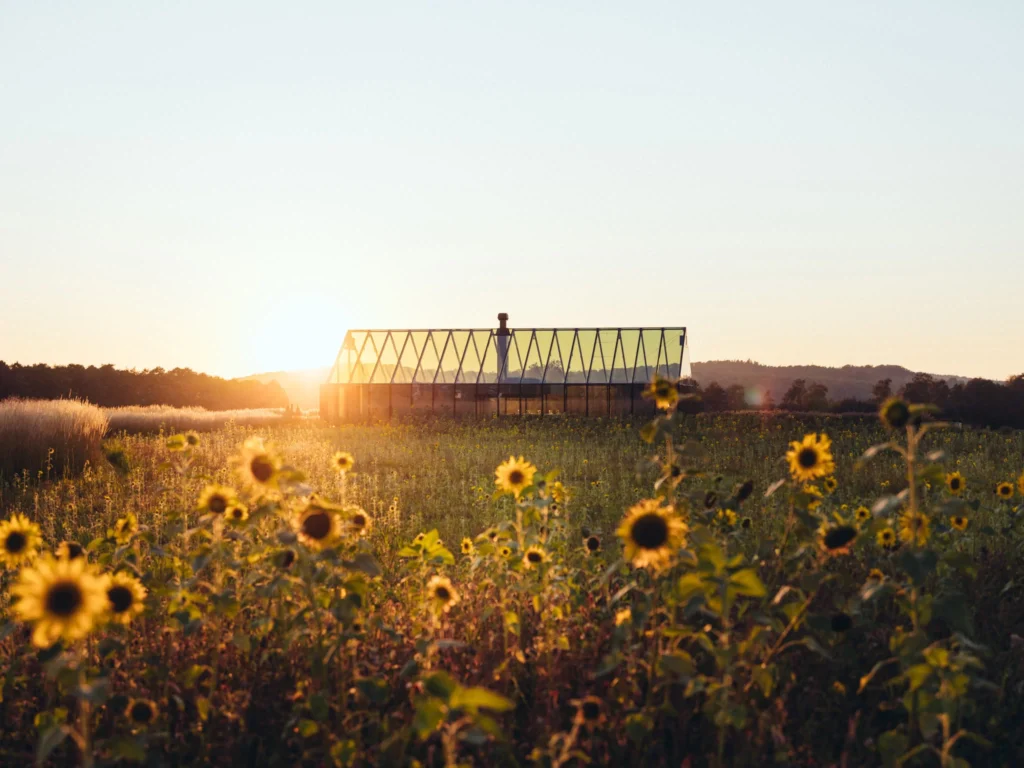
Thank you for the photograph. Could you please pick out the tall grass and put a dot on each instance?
(50, 436)
(152, 418)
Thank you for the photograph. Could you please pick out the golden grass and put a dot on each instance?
(49, 436)
(152, 418)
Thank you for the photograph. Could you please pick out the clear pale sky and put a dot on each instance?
(230, 185)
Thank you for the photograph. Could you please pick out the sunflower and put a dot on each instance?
(343, 461)
(358, 522)
(192, 439)
(559, 493)
(125, 528)
(744, 491)
(624, 616)
(727, 517)
(746, 523)
(257, 465)
(862, 514)
(514, 475)
(589, 711)
(216, 499)
(876, 575)
(141, 711)
(505, 552)
(814, 495)
(663, 392)
(237, 513)
(894, 413)
(830, 484)
(284, 559)
(534, 556)
(592, 544)
(70, 550)
(420, 538)
(914, 527)
(959, 522)
(125, 596)
(837, 539)
(60, 598)
(19, 540)
(467, 546)
(955, 483)
(810, 458)
(886, 538)
(441, 595)
(1004, 490)
(651, 534)
(317, 526)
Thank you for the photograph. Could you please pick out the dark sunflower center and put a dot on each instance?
(317, 525)
(442, 593)
(954, 483)
(807, 458)
(75, 550)
(593, 543)
(650, 531)
(217, 504)
(15, 542)
(63, 599)
(516, 477)
(261, 468)
(286, 558)
(533, 557)
(141, 712)
(359, 521)
(591, 710)
(121, 598)
(662, 390)
(840, 536)
(237, 513)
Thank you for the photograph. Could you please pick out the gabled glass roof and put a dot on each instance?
(598, 356)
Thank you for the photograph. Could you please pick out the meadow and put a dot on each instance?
(695, 591)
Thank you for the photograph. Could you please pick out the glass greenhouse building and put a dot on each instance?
(500, 371)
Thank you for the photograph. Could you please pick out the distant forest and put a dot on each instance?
(110, 387)
(974, 401)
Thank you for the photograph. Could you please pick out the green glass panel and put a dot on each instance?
(429, 357)
(533, 365)
(572, 357)
(513, 368)
(561, 350)
(675, 344)
(629, 338)
(449, 369)
(685, 371)
(620, 373)
(386, 361)
(604, 348)
(459, 340)
(470, 370)
(586, 339)
(484, 341)
(365, 360)
(548, 355)
(407, 357)
(650, 349)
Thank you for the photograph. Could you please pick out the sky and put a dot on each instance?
(229, 186)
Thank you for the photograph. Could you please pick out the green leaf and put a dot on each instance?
(374, 689)
(441, 685)
(318, 707)
(307, 728)
(125, 748)
(429, 715)
(49, 740)
(747, 582)
(366, 563)
(476, 698)
(679, 664)
(242, 641)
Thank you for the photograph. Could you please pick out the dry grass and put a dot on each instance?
(153, 418)
(49, 436)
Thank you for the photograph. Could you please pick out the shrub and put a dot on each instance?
(153, 418)
(49, 436)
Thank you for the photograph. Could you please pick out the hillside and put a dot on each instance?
(850, 381)
(303, 387)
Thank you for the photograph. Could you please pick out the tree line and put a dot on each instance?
(110, 387)
(980, 402)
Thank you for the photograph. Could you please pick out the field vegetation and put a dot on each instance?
(709, 589)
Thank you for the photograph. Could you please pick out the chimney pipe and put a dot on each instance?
(502, 336)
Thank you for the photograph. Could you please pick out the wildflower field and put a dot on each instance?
(702, 590)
